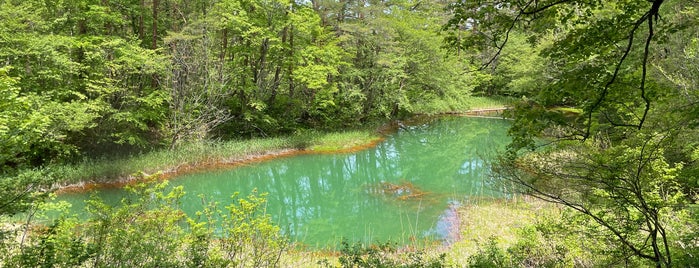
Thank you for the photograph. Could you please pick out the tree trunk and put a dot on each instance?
(154, 44)
(107, 25)
(261, 62)
(277, 72)
(140, 21)
(291, 62)
(222, 55)
(224, 46)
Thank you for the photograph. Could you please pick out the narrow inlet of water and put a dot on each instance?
(403, 190)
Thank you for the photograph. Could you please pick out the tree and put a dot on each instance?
(629, 191)
(614, 130)
(197, 82)
(605, 37)
(91, 81)
(397, 63)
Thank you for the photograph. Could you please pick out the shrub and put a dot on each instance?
(147, 229)
(383, 256)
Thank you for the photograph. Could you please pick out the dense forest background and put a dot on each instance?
(83, 78)
(605, 124)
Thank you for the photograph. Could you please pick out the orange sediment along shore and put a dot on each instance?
(210, 164)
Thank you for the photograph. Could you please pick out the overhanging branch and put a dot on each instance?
(617, 69)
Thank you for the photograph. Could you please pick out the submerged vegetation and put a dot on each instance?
(404, 190)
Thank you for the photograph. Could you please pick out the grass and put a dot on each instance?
(341, 141)
(442, 106)
(497, 218)
(206, 153)
(475, 103)
(480, 220)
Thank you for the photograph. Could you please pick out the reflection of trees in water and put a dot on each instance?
(322, 197)
(331, 188)
(450, 154)
(315, 197)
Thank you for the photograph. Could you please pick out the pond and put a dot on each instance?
(404, 190)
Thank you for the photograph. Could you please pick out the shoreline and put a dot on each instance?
(209, 165)
(202, 165)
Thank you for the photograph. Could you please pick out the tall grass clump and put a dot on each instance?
(460, 105)
(441, 105)
(475, 103)
(338, 141)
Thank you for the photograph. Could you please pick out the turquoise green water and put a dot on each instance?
(403, 190)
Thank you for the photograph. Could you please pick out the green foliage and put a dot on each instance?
(606, 121)
(531, 250)
(85, 79)
(132, 233)
(629, 190)
(56, 247)
(22, 125)
(383, 256)
(75, 88)
(490, 256)
(147, 229)
(19, 191)
(398, 64)
(548, 242)
(246, 235)
(113, 78)
(518, 68)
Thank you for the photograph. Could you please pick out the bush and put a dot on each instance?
(149, 230)
(490, 256)
(383, 256)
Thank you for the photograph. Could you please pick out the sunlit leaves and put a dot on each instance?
(147, 228)
(75, 73)
(621, 156)
(22, 190)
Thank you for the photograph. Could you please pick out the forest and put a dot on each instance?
(604, 100)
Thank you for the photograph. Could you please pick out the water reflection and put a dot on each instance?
(320, 199)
